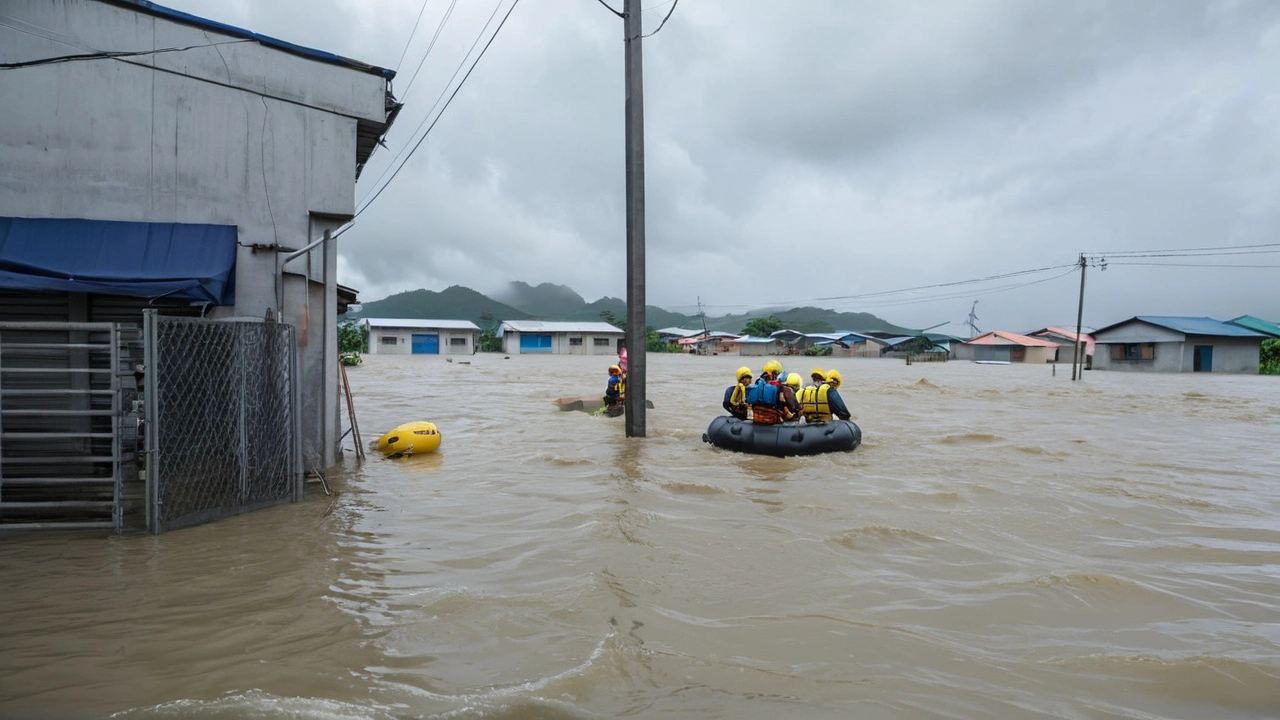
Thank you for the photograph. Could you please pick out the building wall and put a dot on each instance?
(1230, 355)
(562, 343)
(237, 134)
(1168, 358)
(404, 337)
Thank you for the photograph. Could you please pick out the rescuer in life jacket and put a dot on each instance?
(616, 389)
(771, 400)
(819, 402)
(735, 396)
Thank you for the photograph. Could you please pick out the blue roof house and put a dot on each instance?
(1166, 343)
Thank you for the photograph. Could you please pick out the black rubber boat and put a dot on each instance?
(783, 440)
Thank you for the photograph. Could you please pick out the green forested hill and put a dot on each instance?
(557, 302)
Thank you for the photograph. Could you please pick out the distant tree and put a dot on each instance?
(762, 327)
(919, 344)
(816, 350)
(353, 339)
(1270, 364)
(613, 320)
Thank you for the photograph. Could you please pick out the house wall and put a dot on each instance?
(1168, 358)
(237, 134)
(1230, 355)
(404, 338)
(561, 343)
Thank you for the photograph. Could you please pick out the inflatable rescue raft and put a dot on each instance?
(784, 439)
(415, 438)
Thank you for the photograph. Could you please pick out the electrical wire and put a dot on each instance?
(448, 13)
(664, 20)
(448, 102)
(427, 116)
(615, 12)
(107, 54)
(1192, 265)
(409, 39)
(1174, 252)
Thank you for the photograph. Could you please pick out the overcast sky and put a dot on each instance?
(802, 151)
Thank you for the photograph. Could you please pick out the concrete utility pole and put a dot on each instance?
(637, 338)
(1079, 318)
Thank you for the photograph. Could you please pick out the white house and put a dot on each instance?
(183, 174)
(1177, 344)
(561, 338)
(401, 336)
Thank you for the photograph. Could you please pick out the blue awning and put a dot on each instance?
(151, 260)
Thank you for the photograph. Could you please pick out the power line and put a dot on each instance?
(409, 39)
(610, 8)
(1192, 265)
(427, 116)
(108, 55)
(665, 19)
(1173, 252)
(448, 13)
(441, 113)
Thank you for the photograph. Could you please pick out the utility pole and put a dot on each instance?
(637, 337)
(1079, 319)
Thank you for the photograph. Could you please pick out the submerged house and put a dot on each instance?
(152, 159)
(403, 336)
(537, 337)
(1168, 343)
(1001, 346)
(1066, 340)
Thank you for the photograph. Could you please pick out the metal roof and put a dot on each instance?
(1065, 334)
(419, 324)
(678, 332)
(151, 8)
(1000, 337)
(1257, 325)
(540, 326)
(1188, 326)
(749, 340)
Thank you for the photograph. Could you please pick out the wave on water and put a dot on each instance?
(258, 705)
(971, 438)
(871, 535)
(691, 488)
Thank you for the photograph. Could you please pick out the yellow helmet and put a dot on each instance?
(773, 367)
(793, 379)
(615, 370)
(818, 373)
(743, 371)
(833, 377)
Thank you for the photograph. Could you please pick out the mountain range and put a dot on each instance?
(521, 301)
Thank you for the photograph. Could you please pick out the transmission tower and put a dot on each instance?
(973, 321)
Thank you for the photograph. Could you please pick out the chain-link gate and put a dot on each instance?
(222, 423)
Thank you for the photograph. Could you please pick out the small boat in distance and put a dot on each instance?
(991, 362)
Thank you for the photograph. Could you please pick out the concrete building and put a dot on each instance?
(215, 145)
(1001, 346)
(560, 338)
(1066, 340)
(1164, 343)
(401, 336)
(748, 345)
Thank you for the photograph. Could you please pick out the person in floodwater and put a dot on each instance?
(735, 396)
(821, 401)
(616, 389)
(771, 400)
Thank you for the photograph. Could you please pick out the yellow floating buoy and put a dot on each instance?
(415, 438)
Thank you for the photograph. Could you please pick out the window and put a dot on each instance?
(1133, 352)
(389, 340)
(601, 342)
(456, 342)
(575, 341)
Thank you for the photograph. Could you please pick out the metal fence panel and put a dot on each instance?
(222, 425)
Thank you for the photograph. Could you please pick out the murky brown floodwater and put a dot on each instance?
(1004, 544)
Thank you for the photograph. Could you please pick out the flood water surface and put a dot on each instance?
(1005, 543)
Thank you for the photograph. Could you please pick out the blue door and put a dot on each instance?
(1203, 361)
(534, 343)
(426, 344)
